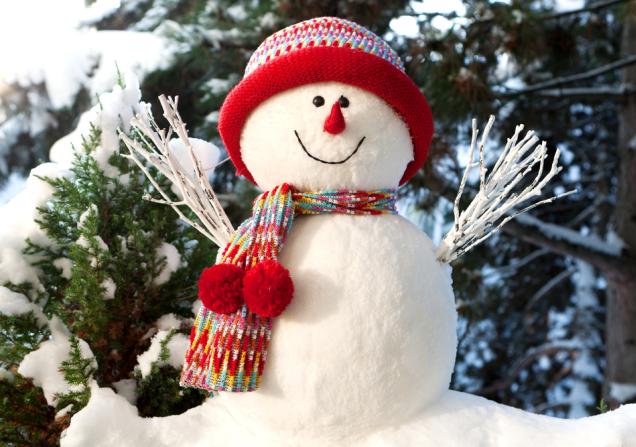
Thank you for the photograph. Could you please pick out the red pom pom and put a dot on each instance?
(268, 288)
(220, 288)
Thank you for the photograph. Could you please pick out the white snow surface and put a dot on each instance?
(167, 322)
(172, 263)
(176, 345)
(457, 419)
(42, 365)
(13, 303)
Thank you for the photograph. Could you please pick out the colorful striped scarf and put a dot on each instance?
(228, 351)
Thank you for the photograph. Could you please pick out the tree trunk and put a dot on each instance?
(621, 299)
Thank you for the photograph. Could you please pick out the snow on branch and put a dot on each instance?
(194, 189)
(497, 199)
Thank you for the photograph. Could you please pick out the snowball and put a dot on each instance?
(167, 322)
(109, 287)
(65, 265)
(172, 262)
(42, 365)
(12, 303)
(176, 345)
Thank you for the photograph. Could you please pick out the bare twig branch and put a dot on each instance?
(496, 201)
(627, 61)
(194, 191)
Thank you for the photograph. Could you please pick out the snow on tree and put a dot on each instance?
(97, 284)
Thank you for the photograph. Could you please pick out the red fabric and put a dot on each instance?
(335, 122)
(268, 288)
(324, 64)
(220, 288)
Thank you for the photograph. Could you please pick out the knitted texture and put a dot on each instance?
(282, 63)
(322, 31)
(228, 351)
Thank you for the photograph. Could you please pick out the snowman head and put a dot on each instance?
(325, 105)
(326, 136)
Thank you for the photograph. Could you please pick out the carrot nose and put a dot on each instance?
(335, 122)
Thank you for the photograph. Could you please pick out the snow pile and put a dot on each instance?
(42, 365)
(176, 345)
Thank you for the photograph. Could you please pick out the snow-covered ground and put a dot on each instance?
(459, 419)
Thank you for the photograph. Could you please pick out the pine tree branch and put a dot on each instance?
(625, 62)
(531, 356)
(609, 264)
(589, 8)
(593, 93)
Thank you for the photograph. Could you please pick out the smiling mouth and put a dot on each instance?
(344, 160)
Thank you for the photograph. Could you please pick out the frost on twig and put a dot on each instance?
(498, 197)
(193, 189)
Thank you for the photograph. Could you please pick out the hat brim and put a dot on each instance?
(328, 64)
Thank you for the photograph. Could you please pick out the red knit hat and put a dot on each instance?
(322, 50)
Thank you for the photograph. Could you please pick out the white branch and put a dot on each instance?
(194, 191)
(498, 197)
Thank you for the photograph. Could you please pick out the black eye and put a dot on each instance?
(344, 102)
(318, 101)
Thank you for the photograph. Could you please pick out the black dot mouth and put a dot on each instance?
(344, 160)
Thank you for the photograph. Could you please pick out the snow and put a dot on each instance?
(18, 223)
(65, 265)
(623, 391)
(13, 185)
(127, 388)
(167, 322)
(42, 365)
(457, 419)
(71, 58)
(13, 303)
(172, 262)
(553, 231)
(6, 375)
(109, 287)
(177, 345)
(207, 153)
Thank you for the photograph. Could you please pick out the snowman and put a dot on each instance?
(329, 319)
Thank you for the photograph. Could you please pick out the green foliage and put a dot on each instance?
(602, 406)
(163, 380)
(77, 371)
(26, 419)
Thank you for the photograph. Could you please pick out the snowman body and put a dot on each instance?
(369, 339)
